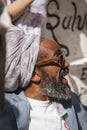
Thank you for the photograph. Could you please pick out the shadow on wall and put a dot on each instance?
(67, 25)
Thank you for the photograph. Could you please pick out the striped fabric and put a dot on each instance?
(22, 44)
(21, 55)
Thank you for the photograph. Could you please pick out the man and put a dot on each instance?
(46, 103)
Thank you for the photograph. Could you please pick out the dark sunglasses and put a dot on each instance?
(59, 57)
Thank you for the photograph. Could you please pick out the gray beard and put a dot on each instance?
(54, 90)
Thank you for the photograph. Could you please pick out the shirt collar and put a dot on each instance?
(60, 109)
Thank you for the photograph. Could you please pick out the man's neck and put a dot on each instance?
(35, 92)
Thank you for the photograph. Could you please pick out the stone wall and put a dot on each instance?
(67, 25)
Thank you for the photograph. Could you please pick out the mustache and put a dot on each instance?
(56, 91)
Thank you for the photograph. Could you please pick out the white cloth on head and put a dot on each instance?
(21, 56)
(22, 45)
(39, 6)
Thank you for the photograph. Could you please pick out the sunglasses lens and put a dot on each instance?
(58, 56)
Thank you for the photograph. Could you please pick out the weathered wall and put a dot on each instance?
(67, 24)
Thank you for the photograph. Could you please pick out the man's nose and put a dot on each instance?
(66, 64)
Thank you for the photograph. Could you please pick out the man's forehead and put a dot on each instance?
(51, 48)
(48, 43)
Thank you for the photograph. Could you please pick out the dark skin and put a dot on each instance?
(35, 89)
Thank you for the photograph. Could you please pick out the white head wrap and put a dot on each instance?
(22, 45)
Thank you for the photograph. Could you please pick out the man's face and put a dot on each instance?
(53, 81)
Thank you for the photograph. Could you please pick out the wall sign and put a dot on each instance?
(67, 25)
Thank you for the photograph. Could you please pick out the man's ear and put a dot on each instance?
(36, 78)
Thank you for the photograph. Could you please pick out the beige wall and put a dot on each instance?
(67, 24)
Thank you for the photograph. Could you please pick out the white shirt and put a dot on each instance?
(45, 116)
